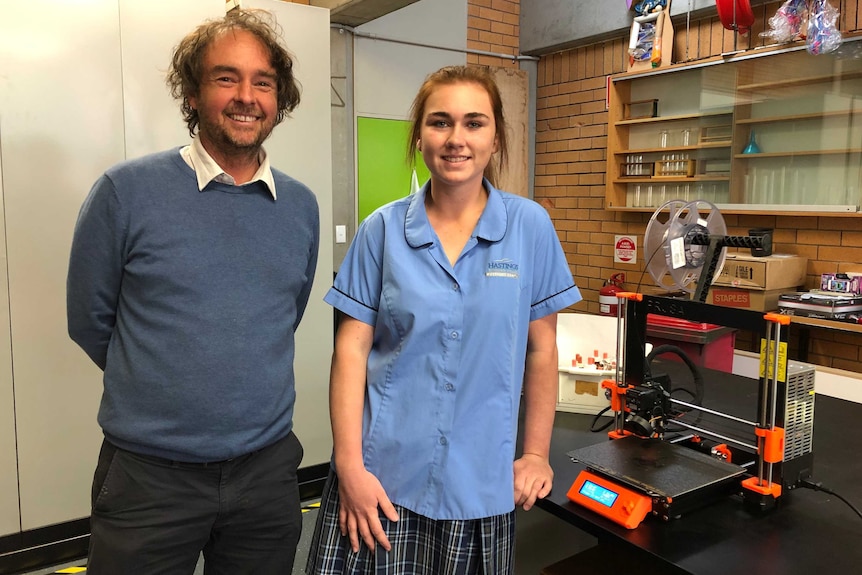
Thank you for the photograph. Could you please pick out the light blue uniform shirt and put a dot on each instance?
(447, 362)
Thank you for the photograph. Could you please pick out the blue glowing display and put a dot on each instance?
(598, 493)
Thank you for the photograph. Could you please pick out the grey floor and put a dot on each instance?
(541, 539)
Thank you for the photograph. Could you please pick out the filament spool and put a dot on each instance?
(673, 259)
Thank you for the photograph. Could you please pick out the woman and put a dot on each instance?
(449, 299)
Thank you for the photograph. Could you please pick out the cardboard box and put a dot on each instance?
(580, 390)
(768, 273)
(752, 299)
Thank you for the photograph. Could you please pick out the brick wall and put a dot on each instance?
(493, 26)
(571, 143)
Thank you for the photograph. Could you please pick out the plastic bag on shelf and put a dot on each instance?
(823, 35)
(643, 45)
(789, 23)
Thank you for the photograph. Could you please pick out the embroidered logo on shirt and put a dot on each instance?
(504, 268)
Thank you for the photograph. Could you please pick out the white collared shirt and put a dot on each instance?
(206, 169)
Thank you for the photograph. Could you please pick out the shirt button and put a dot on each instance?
(455, 287)
(443, 441)
(454, 335)
(449, 387)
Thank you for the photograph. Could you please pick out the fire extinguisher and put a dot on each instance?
(608, 301)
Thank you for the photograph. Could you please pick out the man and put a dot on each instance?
(189, 273)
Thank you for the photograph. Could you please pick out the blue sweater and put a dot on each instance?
(189, 300)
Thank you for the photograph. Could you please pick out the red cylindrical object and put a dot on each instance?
(608, 301)
(740, 19)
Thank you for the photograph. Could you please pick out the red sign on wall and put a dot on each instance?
(625, 250)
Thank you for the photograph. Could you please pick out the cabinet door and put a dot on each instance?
(150, 30)
(301, 147)
(798, 132)
(665, 143)
(61, 107)
(9, 515)
(71, 76)
(780, 131)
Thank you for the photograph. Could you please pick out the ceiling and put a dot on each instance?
(356, 12)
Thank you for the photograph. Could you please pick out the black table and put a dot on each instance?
(809, 531)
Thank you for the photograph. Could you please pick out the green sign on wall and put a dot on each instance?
(382, 171)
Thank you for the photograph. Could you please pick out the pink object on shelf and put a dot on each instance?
(707, 345)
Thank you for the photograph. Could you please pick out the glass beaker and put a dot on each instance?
(685, 137)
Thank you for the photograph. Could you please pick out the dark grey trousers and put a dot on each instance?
(155, 516)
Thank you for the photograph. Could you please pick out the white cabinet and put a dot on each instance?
(301, 146)
(61, 124)
(81, 88)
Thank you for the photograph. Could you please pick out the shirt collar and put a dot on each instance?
(207, 170)
(491, 225)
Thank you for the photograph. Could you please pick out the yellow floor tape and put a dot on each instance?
(305, 509)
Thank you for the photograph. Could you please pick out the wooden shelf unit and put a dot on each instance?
(706, 146)
(674, 118)
(799, 117)
(790, 154)
(667, 179)
(779, 96)
(798, 82)
(827, 323)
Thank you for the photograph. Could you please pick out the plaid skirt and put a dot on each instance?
(420, 546)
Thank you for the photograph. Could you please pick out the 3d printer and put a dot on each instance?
(670, 455)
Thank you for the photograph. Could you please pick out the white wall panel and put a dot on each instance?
(62, 118)
(301, 147)
(153, 120)
(388, 74)
(70, 80)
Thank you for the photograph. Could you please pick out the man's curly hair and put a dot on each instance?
(186, 71)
